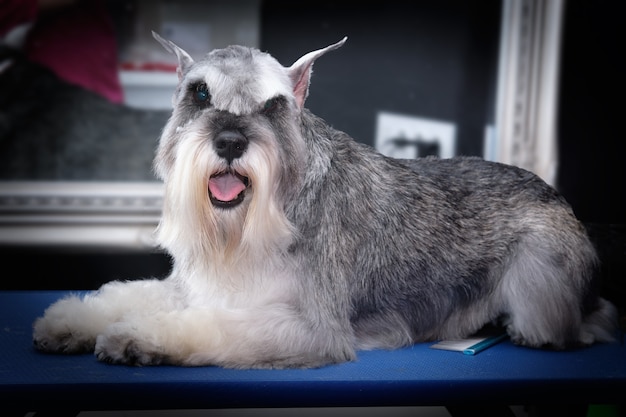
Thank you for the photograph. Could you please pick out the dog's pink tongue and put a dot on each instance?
(226, 187)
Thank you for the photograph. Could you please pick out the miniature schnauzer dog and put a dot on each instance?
(296, 246)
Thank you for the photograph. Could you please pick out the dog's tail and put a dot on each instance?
(600, 325)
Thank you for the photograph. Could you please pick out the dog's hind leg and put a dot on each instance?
(540, 310)
(543, 291)
(72, 324)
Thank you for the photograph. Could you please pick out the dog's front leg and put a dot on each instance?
(72, 324)
(274, 336)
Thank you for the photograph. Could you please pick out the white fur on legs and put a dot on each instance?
(247, 338)
(71, 324)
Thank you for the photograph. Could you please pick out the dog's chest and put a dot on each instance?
(210, 287)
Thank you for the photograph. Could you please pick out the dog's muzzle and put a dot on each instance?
(227, 188)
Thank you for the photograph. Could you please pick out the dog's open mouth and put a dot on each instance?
(227, 189)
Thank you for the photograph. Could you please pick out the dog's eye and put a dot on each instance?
(270, 105)
(201, 94)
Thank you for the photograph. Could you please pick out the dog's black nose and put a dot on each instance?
(230, 144)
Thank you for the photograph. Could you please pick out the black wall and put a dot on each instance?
(429, 59)
(592, 174)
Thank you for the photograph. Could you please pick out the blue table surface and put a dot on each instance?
(416, 375)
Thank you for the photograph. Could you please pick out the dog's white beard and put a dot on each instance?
(193, 230)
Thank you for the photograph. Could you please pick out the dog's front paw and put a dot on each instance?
(123, 344)
(56, 338)
(62, 330)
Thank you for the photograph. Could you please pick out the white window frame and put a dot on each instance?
(527, 89)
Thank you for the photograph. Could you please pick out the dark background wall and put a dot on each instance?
(429, 59)
(592, 173)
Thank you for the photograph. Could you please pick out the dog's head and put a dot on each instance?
(232, 150)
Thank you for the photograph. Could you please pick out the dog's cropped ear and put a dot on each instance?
(300, 71)
(184, 60)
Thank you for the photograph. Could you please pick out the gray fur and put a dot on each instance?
(441, 248)
(362, 251)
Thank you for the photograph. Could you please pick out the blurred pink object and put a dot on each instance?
(76, 41)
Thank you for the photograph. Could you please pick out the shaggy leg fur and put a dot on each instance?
(146, 323)
(271, 337)
(72, 324)
(544, 307)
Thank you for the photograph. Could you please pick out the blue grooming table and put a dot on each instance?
(418, 375)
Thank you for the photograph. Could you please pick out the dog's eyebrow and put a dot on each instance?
(272, 103)
(193, 84)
